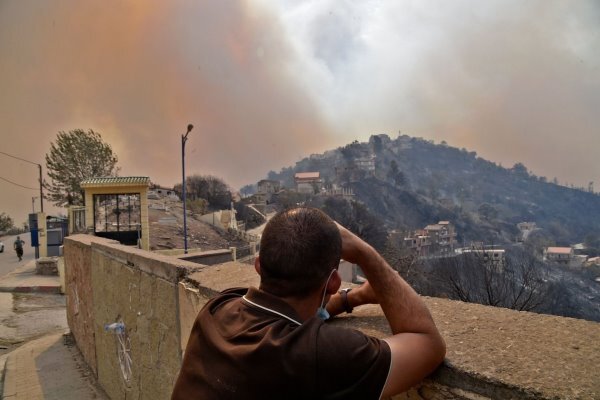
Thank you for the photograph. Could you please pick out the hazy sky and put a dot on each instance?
(266, 83)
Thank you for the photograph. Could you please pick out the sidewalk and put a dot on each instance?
(24, 280)
(50, 367)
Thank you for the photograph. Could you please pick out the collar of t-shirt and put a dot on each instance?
(271, 304)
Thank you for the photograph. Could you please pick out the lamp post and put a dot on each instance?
(183, 140)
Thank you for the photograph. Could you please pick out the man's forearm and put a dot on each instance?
(416, 346)
(402, 306)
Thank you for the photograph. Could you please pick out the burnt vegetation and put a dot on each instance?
(415, 182)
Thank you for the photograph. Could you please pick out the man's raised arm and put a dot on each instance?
(416, 345)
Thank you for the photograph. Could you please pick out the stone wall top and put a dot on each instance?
(166, 267)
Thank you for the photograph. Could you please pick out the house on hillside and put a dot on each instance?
(268, 186)
(366, 163)
(308, 182)
(419, 242)
(560, 255)
(442, 236)
(491, 255)
(592, 261)
(435, 239)
(358, 165)
(337, 191)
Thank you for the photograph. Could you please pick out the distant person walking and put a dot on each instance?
(18, 246)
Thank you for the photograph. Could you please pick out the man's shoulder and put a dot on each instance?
(230, 293)
(224, 297)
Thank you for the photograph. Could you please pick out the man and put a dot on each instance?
(272, 343)
(18, 246)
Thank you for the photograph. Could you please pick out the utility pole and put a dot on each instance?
(41, 190)
(40, 170)
(183, 140)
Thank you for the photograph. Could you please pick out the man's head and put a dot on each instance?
(18, 237)
(298, 250)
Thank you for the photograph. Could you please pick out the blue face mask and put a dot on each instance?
(322, 312)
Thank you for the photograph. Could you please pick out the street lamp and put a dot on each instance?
(183, 140)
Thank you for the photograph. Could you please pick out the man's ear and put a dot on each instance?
(257, 265)
(334, 283)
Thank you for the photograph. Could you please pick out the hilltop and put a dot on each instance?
(410, 182)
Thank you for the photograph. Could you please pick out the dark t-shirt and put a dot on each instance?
(252, 346)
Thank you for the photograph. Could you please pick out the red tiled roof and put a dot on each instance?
(559, 250)
(307, 175)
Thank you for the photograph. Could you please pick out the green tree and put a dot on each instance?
(6, 222)
(74, 156)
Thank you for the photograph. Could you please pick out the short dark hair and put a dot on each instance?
(298, 250)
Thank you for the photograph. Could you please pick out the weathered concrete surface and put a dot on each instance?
(23, 279)
(139, 289)
(46, 266)
(220, 277)
(79, 293)
(502, 353)
(190, 302)
(49, 368)
(210, 257)
(27, 316)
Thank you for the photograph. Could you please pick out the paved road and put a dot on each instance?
(8, 259)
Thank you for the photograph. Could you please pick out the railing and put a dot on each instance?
(77, 220)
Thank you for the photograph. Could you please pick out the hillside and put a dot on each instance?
(410, 182)
(166, 229)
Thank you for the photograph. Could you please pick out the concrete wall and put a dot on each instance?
(210, 257)
(79, 292)
(222, 219)
(492, 353)
(109, 283)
